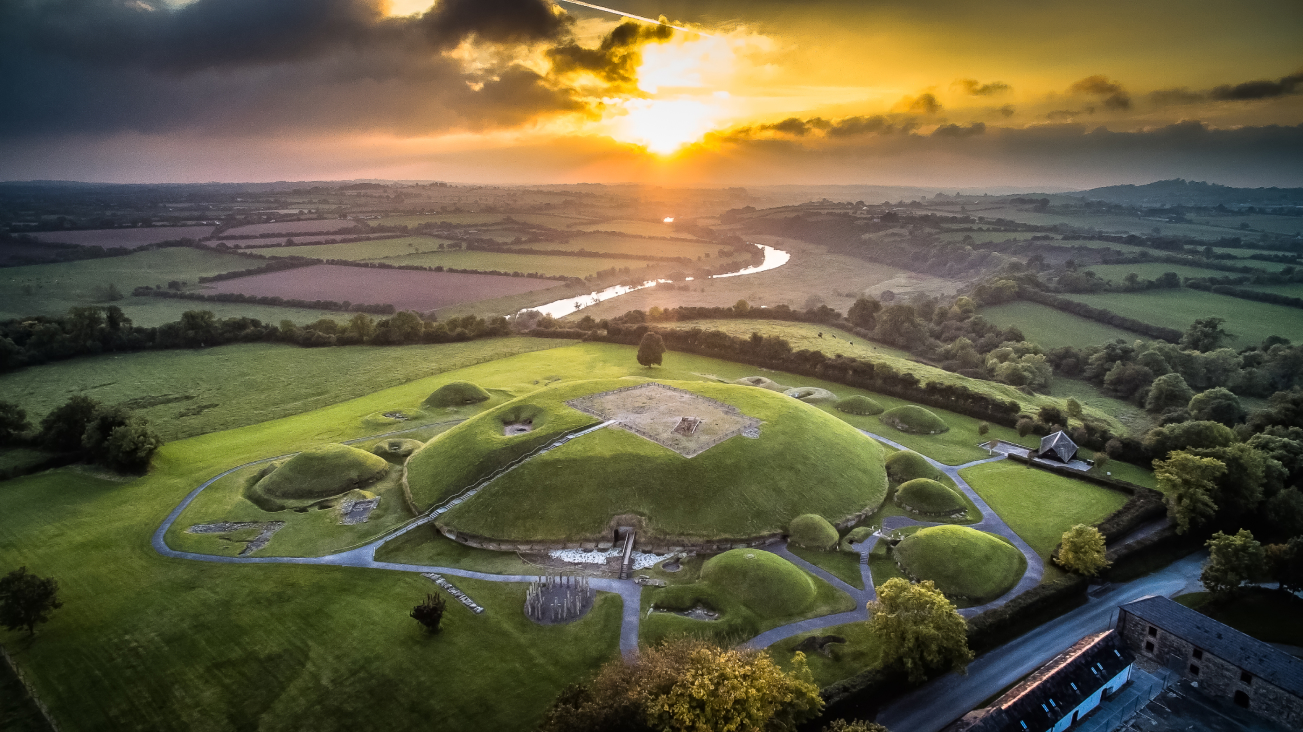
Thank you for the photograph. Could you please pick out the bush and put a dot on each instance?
(813, 531)
(928, 497)
(62, 429)
(456, 394)
(13, 422)
(915, 420)
(906, 465)
(860, 405)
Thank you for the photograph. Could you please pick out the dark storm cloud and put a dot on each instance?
(1007, 110)
(922, 104)
(266, 66)
(1179, 95)
(846, 127)
(969, 130)
(1261, 89)
(1112, 93)
(978, 89)
(616, 58)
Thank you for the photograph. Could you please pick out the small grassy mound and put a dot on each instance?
(761, 382)
(859, 404)
(396, 450)
(765, 583)
(914, 420)
(318, 473)
(964, 563)
(928, 497)
(456, 394)
(908, 465)
(813, 531)
(811, 394)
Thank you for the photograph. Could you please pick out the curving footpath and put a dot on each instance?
(363, 556)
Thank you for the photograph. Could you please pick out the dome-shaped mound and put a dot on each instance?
(914, 420)
(396, 450)
(456, 394)
(693, 461)
(319, 473)
(907, 465)
(964, 563)
(811, 394)
(928, 497)
(812, 531)
(859, 404)
(766, 583)
(761, 382)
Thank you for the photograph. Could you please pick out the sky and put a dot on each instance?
(720, 92)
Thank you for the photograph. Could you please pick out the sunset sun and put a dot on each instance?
(664, 126)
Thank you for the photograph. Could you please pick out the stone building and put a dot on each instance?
(1060, 693)
(1221, 661)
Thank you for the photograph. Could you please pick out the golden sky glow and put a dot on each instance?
(534, 90)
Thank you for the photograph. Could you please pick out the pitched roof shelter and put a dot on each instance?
(1057, 446)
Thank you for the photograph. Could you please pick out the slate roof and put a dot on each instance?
(1058, 445)
(1055, 689)
(1250, 654)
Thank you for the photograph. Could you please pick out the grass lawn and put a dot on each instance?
(1050, 328)
(842, 565)
(1133, 417)
(642, 228)
(1249, 321)
(616, 244)
(17, 712)
(1154, 270)
(861, 651)
(185, 393)
(1038, 505)
(1268, 615)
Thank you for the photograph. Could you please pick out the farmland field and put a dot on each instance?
(630, 245)
(313, 226)
(404, 289)
(274, 241)
(459, 219)
(1291, 290)
(1249, 321)
(1154, 270)
(553, 266)
(123, 238)
(361, 250)
(1052, 328)
(643, 228)
(1259, 222)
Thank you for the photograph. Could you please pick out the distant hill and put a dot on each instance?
(1178, 192)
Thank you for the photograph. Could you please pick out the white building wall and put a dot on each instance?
(1092, 701)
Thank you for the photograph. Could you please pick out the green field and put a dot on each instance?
(1050, 328)
(1039, 506)
(1249, 321)
(1291, 290)
(1108, 223)
(1154, 270)
(635, 246)
(861, 652)
(459, 219)
(1258, 222)
(186, 393)
(641, 228)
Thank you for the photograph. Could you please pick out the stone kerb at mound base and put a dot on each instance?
(657, 412)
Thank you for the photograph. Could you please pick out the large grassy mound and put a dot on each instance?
(766, 583)
(915, 420)
(319, 473)
(456, 394)
(813, 532)
(741, 487)
(859, 404)
(907, 465)
(963, 562)
(928, 497)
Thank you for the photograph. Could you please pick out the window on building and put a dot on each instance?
(1198, 654)
(1153, 632)
(1242, 699)
(1149, 646)
(1194, 670)
(1024, 724)
(1246, 677)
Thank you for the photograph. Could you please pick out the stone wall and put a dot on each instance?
(649, 545)
(1217, 677)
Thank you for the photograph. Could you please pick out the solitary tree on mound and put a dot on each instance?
(1083, 551)
(430, 612)
(919, 628)
(27, 600)
(650, 349)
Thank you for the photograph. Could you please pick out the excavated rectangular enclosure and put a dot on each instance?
(661, 413)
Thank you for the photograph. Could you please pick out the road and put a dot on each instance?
(947, 698)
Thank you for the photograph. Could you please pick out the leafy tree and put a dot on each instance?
(1073, 407)
(1205, 334)
(898, 325)
(95, 438)
(198, 327)
(131, 445)
(362, 326)
(1233, 561)
(430, 613)
(859, 725)
(1217, 405)
(1240, 488)
(1168, 392)
(688, 684)
(1284, 513)
(1286, 564)
(27, 600)
(1284, 408)
(864, 313)
(61, 430)
(1101, 461)
(1188, 481)
(1162, 440)
(983, 428)
(1024, 426)
(650, 349)
(1285, 446)
(919, 628)
(13, 422)
(405, 327)
(1083, 551)
(1127, 378)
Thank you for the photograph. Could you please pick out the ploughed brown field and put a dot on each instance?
(404, 289)
(123, 238)
(313, 226)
